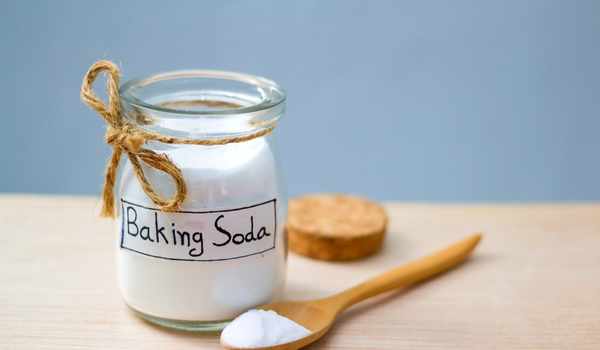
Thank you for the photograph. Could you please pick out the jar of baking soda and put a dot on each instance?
(200, 204)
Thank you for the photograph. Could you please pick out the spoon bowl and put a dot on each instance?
(318, 316)
(313, 315)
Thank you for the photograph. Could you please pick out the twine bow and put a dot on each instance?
(126, 137)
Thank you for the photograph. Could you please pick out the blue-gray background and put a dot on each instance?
(420, 100)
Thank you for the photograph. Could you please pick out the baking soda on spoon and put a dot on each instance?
(260, 328)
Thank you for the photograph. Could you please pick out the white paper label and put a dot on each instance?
(199, 235)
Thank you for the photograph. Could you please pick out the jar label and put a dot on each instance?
(199, 235)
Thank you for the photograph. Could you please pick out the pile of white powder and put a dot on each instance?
(260, 328)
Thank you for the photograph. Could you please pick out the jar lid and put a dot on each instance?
(335, 226)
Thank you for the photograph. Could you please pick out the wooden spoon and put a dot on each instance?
(319, 315)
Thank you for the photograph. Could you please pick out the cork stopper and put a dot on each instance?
(335, 227)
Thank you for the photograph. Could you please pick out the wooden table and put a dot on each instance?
(533, 283)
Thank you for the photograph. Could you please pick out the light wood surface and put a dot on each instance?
(533, 283)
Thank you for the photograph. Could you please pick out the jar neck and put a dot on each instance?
(202, 104)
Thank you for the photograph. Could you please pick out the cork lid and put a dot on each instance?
(335, 226)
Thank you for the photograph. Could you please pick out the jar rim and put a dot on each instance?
(272, 94)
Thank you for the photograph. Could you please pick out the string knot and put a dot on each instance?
(128, 140)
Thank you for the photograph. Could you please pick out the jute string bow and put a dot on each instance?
(126, 137)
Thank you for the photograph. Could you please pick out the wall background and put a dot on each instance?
(419, 100)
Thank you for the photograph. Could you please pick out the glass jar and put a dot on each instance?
(224, 251)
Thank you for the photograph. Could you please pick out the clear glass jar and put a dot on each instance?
(224, 251)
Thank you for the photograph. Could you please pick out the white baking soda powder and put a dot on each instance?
(223, 253)
(260, 328)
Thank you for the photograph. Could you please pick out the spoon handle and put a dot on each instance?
(406, 275)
